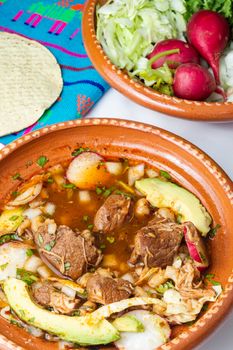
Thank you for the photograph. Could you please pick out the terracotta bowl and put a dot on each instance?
(136, 91)
(187, 164)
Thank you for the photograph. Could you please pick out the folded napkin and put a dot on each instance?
(57, 25)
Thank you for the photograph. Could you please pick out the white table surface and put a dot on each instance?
(216, 139)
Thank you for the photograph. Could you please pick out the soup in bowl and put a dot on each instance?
(104, 244)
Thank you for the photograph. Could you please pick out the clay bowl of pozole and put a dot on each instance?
(114, 235)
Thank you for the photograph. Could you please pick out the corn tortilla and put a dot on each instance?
(30, 82)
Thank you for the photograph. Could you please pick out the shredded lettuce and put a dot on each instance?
(128, 29)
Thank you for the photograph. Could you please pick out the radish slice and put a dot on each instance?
(114, 168)
(156, 332)
(196, 246)
(87, 171)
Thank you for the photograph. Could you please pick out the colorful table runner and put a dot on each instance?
(57, 25)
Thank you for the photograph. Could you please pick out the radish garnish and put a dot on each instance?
(87, 171)
(193, 82)
(185, 53)
(196, 246)
(209, 32)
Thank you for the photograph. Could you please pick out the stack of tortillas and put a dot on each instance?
(30, 82)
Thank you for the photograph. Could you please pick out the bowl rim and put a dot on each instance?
(136, 91)
(220, 308)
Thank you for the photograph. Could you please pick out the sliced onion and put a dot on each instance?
(84, 196)
(36, 332)
(36, 223)
(32, 213)
(135, 173)
(28, 195)
(152, 173)
(128, 277)
(50, 208)
(44, 271)
(38, 202)
(33, 263)
(218, 290)
(72, 285)
(107, 310)
(64, 345)
(69, 292)
(114, 168)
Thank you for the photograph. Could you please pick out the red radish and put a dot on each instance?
(87, 171)
(186, 53)
(196, 246)
(209, 32)
(193, 82)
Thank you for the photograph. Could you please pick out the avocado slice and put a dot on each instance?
(10, 220)
(185, 204)
(128, 324)
(84, 330)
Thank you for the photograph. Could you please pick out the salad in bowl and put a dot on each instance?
(178, 48)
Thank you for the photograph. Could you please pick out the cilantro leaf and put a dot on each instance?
(42, 160)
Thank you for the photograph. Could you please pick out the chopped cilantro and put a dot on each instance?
(164, 287)
(15, 193)
(98, 190)
(210, 277)
(102, 246)
(76, 313)
(205, 307)
(86, 218)
(90, 227)
(190, 323)
(165, 174)
(40, 239)
(22, 313)
(42, 160)
(50, 180)
(179, 218)
(26, 276)
(213, 231)
(17, 176)
(79, 150)
(108, 191)
(72, 186)
(15, 322)
(3, 266)
(49, 245)
(29, 252)
(110, 239)
(14, 218)
(67, 265)
(7, 238)
(127, 195)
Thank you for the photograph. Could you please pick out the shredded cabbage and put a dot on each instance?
(128, 29)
